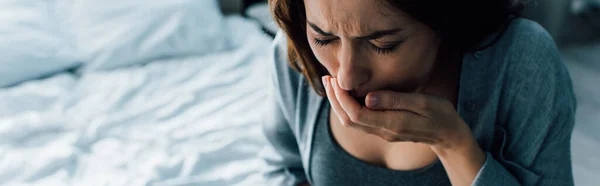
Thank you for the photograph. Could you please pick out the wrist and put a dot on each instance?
(461, 144)
(461, 161)
(458, 140)
(466, 149)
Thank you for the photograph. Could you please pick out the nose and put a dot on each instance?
(352, 68)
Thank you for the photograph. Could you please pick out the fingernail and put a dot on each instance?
(324, 80)
(372, 101)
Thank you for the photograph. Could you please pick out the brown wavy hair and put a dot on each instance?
(460, 24)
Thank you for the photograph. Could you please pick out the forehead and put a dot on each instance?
(353, 17)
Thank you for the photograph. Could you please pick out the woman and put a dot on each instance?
(417, 93)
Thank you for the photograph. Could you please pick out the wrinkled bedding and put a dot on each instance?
(189, 120)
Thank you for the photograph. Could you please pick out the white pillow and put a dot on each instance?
(115, 33)
(30, 43)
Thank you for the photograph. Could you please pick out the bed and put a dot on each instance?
(183, 119)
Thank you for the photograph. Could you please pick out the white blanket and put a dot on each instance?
(186, 121)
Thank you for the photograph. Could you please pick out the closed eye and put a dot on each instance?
(322, 42)
(387, 48)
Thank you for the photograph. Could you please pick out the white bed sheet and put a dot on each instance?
(188, 121)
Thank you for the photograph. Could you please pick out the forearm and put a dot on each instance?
(462, 162)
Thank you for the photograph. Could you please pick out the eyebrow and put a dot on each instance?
(319, 30)
(374, 35)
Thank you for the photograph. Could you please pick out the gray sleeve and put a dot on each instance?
(281, 153)
(535, 137)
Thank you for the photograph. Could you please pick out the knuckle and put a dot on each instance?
(401, 117)
(364, 129)
(422, 102)
(399, 130)
(396, 103)
(346, 122)
(354, 118)
(369, 131)
(398, 126)
(381, 132)
(389, 138)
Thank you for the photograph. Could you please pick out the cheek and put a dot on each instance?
(412, 61)
(416, 58)
(393, 66)
(325, 57)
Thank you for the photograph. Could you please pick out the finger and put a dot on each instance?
(407, 132)
(347, 103)
(389, 125)
(390, 136)
(368, 129)
(345, 118)
(390, 100)
(358, 114)
(360, 117)
(333, 101)
(400, 122)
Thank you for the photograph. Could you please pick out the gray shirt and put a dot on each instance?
(332, 165)
(516, 96)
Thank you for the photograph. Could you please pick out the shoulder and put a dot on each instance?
(284, 80)
(535, 93)
(528, 43)
(291, 88)
(525, 43)
(298, 102)
(533, 87)
(533, 70)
